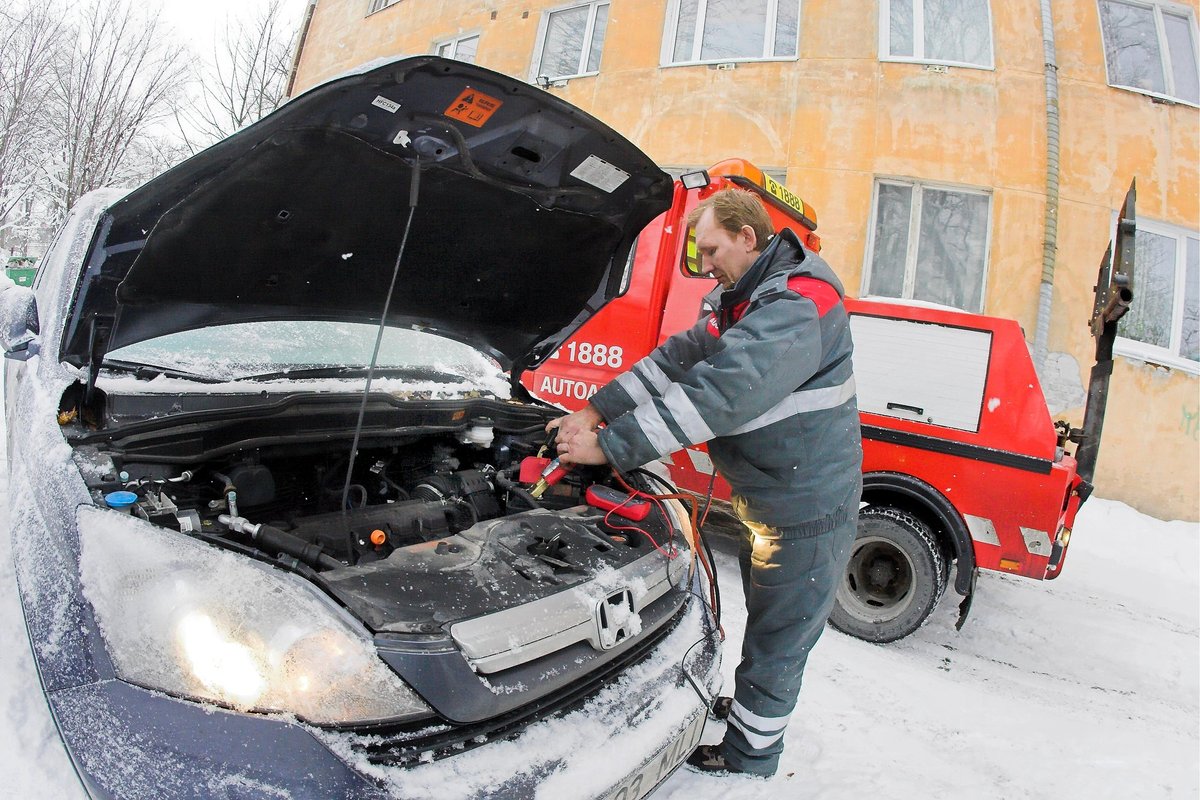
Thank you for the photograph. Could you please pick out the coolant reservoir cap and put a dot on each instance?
(120, 499)
(480, 433)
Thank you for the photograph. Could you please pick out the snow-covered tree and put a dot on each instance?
(118, 78)
(30, 35)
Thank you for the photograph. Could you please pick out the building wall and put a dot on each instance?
(836, 118)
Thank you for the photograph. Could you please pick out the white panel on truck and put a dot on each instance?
(920, 370)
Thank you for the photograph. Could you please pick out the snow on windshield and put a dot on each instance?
(245, 350)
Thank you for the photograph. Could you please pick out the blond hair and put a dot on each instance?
(734, 208)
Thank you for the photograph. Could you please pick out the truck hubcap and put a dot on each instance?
(878, 584)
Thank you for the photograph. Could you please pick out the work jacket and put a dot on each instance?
(766, 380)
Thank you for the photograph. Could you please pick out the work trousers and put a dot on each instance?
(790, 577)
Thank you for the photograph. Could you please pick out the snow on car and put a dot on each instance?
(266, 437)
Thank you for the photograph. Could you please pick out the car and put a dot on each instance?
(271, 464)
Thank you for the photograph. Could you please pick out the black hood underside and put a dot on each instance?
(525, 209)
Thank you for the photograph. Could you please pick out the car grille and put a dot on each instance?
(420, 742)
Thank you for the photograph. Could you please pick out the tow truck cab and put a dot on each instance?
(962, 462)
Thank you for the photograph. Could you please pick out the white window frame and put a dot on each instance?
(671, 28)
(584, 51)
(1164, 54)
(914, 232)
(1143, 351)
(918, 56)
(454, 42)
(375, 6)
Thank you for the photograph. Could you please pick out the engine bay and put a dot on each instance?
(426, 529)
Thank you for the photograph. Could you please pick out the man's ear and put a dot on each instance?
(748, 235)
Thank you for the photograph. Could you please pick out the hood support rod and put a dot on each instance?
(414, 190)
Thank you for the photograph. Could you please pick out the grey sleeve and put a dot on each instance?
(753, 366)
(649, 377)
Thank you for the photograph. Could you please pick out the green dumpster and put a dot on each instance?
(21, 270)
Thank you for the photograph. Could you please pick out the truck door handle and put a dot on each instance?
(903, 407)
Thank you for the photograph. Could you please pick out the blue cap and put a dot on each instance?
(120, 499)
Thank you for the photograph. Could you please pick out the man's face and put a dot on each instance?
(724, 255)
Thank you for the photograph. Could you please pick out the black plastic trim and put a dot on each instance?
(1004, 458)
(944, 514)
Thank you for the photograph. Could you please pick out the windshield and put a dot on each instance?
(277, 350)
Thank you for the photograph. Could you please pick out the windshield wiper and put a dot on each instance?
(147, 372)
(404, 373)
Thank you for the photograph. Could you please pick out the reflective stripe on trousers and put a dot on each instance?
(789, 586)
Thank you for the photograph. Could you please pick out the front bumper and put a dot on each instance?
(130, 742)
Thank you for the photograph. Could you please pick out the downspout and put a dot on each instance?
(308, 15)
(1050, 239)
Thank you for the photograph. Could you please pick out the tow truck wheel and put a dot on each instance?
(894, 579)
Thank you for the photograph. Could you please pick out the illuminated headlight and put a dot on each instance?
(199, 622)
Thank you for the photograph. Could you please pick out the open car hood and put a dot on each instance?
(526, 209)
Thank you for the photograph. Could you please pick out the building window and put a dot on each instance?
(379, 5)
(701, 31)
(929, 243)
(1151, 47)
(957, 32)
(462, 48)
(1163, 323)
(570, 40)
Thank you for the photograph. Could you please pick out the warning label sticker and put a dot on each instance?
(600, 173)
(473, 107)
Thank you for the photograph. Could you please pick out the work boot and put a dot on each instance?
(709, 758)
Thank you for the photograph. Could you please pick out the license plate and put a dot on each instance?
(641, 783)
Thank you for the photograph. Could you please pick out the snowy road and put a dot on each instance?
(1084, 687)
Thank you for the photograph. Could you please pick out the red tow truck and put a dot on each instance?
(962, 463)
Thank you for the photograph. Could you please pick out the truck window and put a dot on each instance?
(689, 260)
(920, 371)
(628, 274)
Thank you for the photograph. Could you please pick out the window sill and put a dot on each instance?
(381, 10)
(935, 63)
(559, 81)
(714, 62)
(1155, 97)
(1133, 351)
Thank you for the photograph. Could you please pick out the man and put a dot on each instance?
(767, 381)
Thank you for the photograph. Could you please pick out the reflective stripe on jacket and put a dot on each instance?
(767, 381)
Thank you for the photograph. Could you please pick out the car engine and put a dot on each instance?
(439, 515)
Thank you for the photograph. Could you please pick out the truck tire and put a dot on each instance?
(894, 579)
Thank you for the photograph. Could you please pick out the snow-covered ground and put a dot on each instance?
(1084, 687)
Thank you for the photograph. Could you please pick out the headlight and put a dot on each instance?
(196, 621)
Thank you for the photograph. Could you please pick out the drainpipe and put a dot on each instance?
(1050, 240)
(300, 40)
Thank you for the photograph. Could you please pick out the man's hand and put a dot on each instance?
(576, 436)
(581, 448)
(583, 420)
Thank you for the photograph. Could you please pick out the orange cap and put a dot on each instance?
(378, 537)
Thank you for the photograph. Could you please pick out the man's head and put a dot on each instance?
(732, 228)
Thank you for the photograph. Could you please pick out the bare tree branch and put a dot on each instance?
(245, 80)
(119, 77)
(30, 34)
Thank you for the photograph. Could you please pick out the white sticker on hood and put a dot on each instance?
(600, 173)
(387, 105)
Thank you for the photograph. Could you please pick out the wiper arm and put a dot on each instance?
(405, 373)
(147, 372)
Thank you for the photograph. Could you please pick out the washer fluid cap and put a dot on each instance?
(120, 499)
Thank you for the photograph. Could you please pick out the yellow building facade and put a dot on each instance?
(937, 146)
